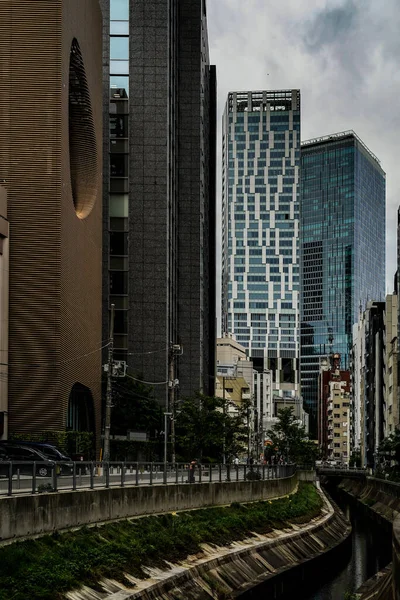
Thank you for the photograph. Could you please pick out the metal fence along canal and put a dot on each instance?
(33, 478)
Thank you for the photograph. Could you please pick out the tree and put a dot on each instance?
(290, 440)
(389, 455)
(134, 408)
(355, 458)
(202, 425)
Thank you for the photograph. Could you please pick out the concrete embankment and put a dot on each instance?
(231, 572)
(28, 515)
(381, 499)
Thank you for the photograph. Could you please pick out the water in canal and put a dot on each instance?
(368, 552)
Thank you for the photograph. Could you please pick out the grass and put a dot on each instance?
(49, 566)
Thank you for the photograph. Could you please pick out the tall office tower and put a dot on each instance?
(342, 251)
(391, 406)
(368, 395)
(334, 424)
(260, 194)
(159, 182)
(50, 167)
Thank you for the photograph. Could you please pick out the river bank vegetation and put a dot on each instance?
(49, 566)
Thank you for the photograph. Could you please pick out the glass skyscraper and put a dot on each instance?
(260, 279)
(342, 249)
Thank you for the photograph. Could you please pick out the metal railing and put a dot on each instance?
(36, 477)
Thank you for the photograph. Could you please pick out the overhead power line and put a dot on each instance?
(147, 382)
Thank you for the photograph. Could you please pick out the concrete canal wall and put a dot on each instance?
(382, 499)
(26, 515)
(231, 572)
(396, 559)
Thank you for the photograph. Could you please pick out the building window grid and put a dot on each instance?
(119, 169)
(246, 210)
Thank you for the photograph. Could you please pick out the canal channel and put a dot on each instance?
(342, 572)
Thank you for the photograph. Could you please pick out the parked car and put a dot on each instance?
(49, 451)
(22, 458)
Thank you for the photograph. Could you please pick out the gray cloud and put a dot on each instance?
(331, 26)
(342, 54)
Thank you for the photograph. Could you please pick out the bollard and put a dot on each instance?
(74, 476)
(9, 493)
(54, 478)
(34, 478)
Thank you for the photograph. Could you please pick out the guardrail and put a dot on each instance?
(36, 477)
(333, 468)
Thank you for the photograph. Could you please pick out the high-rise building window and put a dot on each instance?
(342, 249)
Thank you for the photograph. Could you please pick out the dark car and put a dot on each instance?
(22, 459)
(49, 451)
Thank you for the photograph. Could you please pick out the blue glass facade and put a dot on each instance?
(261, 160)
(342, 253)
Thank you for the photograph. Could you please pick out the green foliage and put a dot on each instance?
(355, 458)
(44, 487)
(390, 446)
(202, 423)
(389, 458)
(134, 408)
(290, 439)
(49, 566)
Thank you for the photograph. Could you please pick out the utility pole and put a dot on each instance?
(171, 398)
(166, 415)
(107, 428)
(174, 350)
(223, 423)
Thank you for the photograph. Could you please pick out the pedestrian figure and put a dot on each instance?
(192, 468)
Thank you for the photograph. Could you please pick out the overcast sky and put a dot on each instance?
(344, 55)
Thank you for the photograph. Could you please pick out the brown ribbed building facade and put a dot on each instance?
(50, 166)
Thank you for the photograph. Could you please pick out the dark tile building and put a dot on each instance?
(159, 182)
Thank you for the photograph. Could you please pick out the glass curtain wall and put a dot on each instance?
(342, 250)
(119, 171)
(261, 158)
